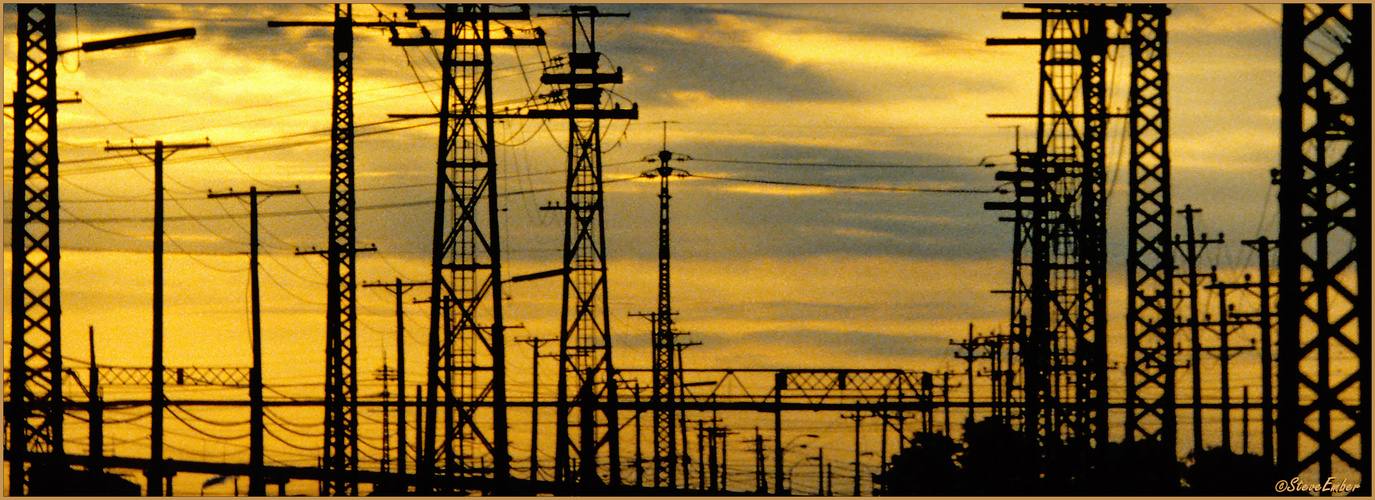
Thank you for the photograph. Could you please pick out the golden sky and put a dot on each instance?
(764, 275)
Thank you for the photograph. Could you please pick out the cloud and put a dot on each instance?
(677, 64)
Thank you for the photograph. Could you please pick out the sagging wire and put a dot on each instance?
(204, 433)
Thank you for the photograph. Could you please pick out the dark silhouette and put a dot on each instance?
(1221, 472)
(998, 460)
(927, 467)
(1136, 468)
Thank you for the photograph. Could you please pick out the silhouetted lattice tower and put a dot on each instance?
(34, 412)
(586, 372)
(1058, 292)
(1324, 257)
(466, 368)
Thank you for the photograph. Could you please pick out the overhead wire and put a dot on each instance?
(290, 444)
(983, 163)
(293, 431)
(199, 418)
(892, 189)
(204, 433)
(291, 213)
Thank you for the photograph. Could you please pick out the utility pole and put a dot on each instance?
(535, 344)
(859, 418)
(1224, 352)
(257, 485)
(585, 335)
(341, 320)
(822, 489)
(780, 382)
(701, 456)
(399, 289)
(386, 375)
(663, 337)
(96, 411)
(158, 153)
(761, 484)
(1265, 318)
(969, 354)
(1191, 249)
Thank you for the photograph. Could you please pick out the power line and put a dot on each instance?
(983, 162)
(890, 189)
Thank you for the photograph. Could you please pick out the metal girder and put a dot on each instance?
(1150, 258)
(34, 412)
(175, 375)
(1324, 367)
(586, 374)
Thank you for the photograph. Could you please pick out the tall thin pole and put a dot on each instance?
(1225, 357)
(858, 418)
(257, 485)
(255, 385)
(534, 413)
(159, 390)
(1263, 246)
(160, 151)
(96, 413)
(400, 383)
(535, 344)
(820, 471)
(399, 289)
(778, 384)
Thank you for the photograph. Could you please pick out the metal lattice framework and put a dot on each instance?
(187, 375)
(1150, 258)
(34, 412)
(663, 343)
(1324, 266)
(1058, 292)
(467, 337)
(341, 315)
(586, 373)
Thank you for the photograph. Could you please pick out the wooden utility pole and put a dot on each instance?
(399, 289)
(535, 344)
(257, 485)
(1192, 249)
(158, 153)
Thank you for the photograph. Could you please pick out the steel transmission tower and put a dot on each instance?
(341, 316)
(34, 412)
(467, 336)
(586, 371)
(663, 337)
(1150, 258)
(1324, 257)
(1058, 294)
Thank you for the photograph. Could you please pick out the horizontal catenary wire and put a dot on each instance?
(890, 189)
(981, 163)
(290, 213)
